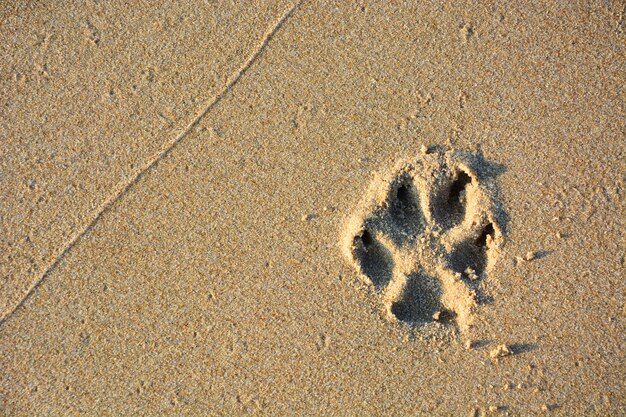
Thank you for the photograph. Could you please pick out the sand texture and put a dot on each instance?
(312, 208)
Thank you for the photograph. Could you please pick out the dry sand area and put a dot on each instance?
(293, 207)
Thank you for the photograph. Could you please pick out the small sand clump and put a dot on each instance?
(500, 351)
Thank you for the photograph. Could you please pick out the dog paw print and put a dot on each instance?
(425, 237)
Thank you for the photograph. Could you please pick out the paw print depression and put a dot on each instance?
(426, 236)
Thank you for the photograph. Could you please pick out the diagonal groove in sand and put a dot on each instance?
(153, 161)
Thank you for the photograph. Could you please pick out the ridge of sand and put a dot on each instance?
(25, 249)
(153, 160)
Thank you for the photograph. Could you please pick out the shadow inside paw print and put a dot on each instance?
(375, 259)
(404, 209)
(421, 301)
(449, 206)
(426, 236)
(472, 253)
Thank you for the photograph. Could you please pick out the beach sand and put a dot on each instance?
(312, 208)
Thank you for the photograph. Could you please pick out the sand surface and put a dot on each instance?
(184, 191)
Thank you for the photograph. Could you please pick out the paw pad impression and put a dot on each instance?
(425, 236)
